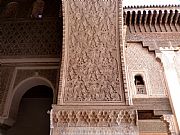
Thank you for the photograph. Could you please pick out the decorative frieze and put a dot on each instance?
(93, 122)
(93, 118)
(152, 20)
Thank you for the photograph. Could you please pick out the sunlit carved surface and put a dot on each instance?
(93, 68)
(94, 118)
(139, 59)
(95, 122)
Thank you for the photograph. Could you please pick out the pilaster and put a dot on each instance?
(167, 56)
(93, 96)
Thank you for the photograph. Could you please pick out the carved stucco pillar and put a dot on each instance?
(92, 67)
(168, 56)
(92, 96)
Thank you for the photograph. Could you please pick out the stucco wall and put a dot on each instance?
(140, 61)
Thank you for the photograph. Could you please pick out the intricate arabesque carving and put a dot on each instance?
(155, 40)
(152, 20)
(139, 59)
(93, 68)
(93, 118)
(30, 38)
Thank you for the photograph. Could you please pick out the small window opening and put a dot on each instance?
(38, 7)
(39, 16)
(140, 85)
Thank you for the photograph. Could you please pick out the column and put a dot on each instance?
(167, 57)
(92, 95)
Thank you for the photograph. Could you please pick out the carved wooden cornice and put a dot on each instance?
(152, 19)
(151, 6)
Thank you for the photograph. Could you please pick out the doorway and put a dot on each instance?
(32, 118)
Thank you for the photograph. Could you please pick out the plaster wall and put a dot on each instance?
(140, 61)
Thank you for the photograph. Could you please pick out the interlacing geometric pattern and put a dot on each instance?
(94, 118)
(29, 37)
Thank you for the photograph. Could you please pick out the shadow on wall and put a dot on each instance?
(29, 9)
(32, 118)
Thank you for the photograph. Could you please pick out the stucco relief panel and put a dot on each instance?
(94, 122)
(93, 71)
(140, 59)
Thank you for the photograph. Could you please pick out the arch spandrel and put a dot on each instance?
(14, 99)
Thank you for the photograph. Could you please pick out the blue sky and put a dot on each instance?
(150, 2)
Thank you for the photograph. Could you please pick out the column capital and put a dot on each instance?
(167, 56)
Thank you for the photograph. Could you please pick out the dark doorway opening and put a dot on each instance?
(32, 118)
